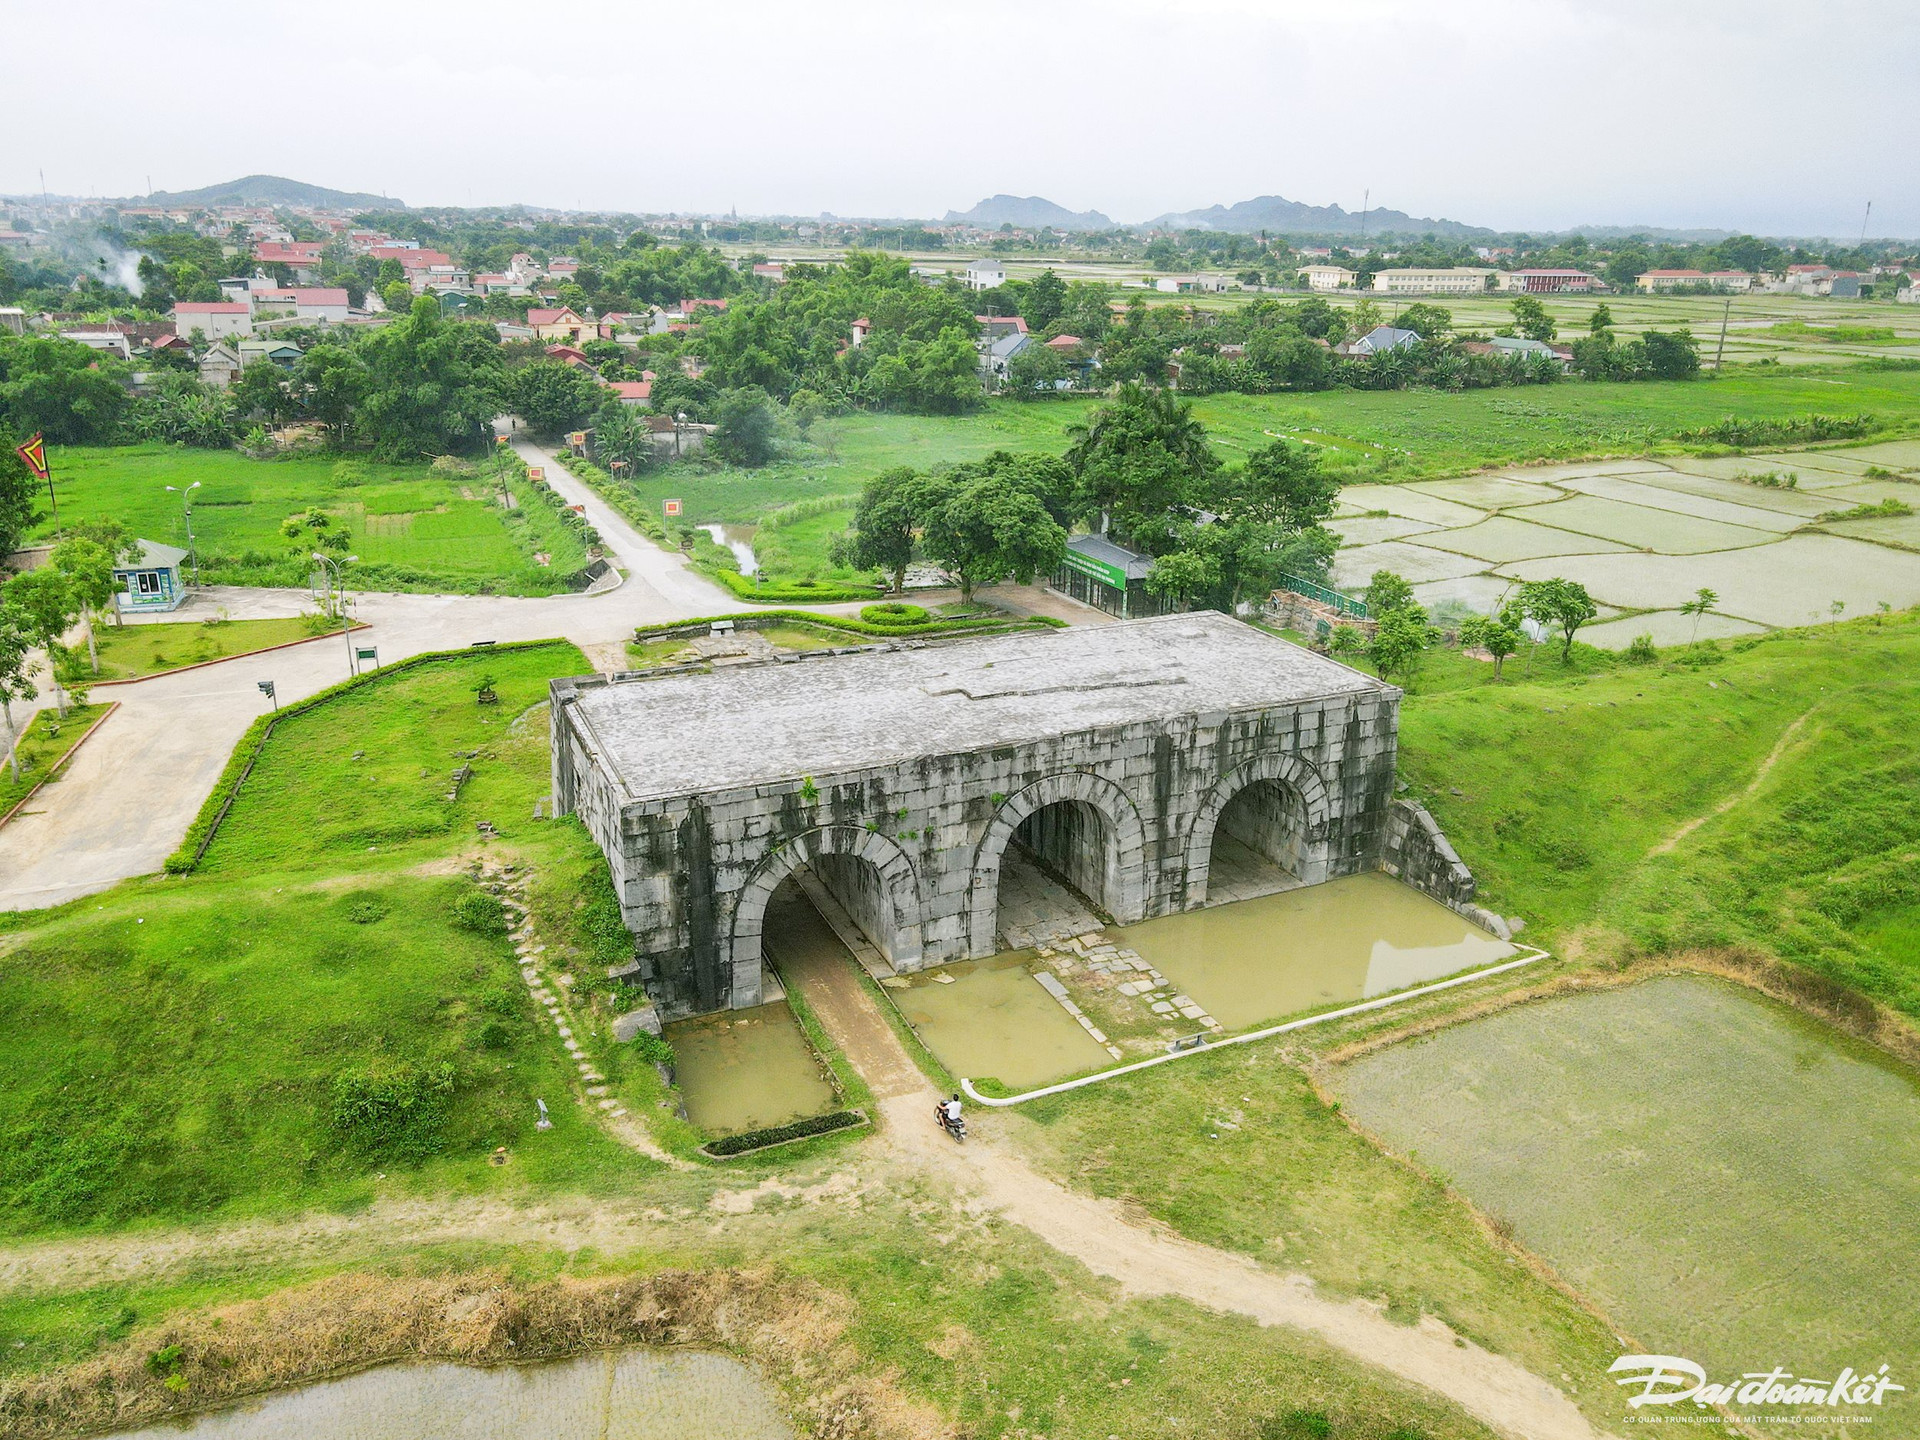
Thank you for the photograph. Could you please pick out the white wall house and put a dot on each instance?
(1327, 277)
(214, 320)
(986, 274)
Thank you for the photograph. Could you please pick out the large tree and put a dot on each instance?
(989, 521)
(554, 397)
(47, 606)
(88, 568)
(886, 523)
(19, 493)
(1138, 464)
(747, 432)
(330, 383)
(69, 393)
(433, 385)
(1561, 604)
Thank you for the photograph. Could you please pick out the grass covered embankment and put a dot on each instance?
(331, 999)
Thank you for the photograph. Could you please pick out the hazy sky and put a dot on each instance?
(1782, 118)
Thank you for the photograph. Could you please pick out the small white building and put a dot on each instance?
(219, 367)
(1327, 277)
(214, 320)
(108, 342)
(986, 275)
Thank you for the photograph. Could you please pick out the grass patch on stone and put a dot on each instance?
(128, 652)
(45, 740)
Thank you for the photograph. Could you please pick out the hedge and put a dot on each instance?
(786, 592)
(784, 1134)
(200, 834)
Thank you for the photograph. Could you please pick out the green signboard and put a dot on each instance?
(1100, 570)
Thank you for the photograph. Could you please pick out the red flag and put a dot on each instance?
(34, 452)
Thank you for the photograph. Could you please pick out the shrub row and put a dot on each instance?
(784, 1134)
(193, 848)
(1735, 430)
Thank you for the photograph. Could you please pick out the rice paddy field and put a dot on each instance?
(1645, 536)
(1724, 1178)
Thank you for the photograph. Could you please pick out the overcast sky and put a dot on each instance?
(1780, 118)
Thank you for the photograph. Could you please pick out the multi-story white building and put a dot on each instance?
(1457, 280)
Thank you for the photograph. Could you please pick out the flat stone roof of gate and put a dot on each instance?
(701, 731)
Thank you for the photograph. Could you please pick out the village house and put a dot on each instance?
(108, 342)
(219, 367)
(283, 353)
(560, 325)
(325, 305)
(1657, 280)
(994, 327)
(637, 393)
(986, 275)
(1327, 277)
(1378, 340)
(214, 319)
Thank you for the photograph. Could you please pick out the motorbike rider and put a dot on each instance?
(950, 1112)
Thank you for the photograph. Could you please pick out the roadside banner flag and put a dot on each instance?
(34, 453)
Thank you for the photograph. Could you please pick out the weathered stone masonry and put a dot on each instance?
(899, 775)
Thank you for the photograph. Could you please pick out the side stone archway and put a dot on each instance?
(872, 877)
(1125, 888)
(1300, 783)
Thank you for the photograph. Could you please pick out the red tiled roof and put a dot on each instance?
(633, 389)
(562, 316)
(1063, 342)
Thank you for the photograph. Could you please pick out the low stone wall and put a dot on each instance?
(1292, 611)
(1414, 850)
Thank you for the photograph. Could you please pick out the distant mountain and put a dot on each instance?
(276, 190)
(1028, 213)
(1276, 212)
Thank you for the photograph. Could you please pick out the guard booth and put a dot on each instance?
(1096, 571)
(152, 579)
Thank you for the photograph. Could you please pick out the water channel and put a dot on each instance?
(747, 1069)
(738, 539)
(624, 1395)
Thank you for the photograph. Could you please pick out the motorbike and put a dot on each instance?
(956, 1128)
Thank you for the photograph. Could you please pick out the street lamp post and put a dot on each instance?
(331, 567)
(186, 500)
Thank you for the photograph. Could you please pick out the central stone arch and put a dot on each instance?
(903, 941)
(1287, 770)
(1125, 889)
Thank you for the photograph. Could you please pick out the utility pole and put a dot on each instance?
(1863, 225)
(1722, 350)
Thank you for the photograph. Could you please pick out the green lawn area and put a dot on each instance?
(44, 741)
(129, 651)
(413, 529)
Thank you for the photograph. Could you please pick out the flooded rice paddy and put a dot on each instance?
(628, 1395)
(1728, 1180)
(1645, 535)
(747, 1069)
(1264, 959)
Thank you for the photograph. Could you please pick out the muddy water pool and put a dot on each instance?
(626, 1395)
(738, 539)
(747, 1069)
(1264, 959)
(991, 1019)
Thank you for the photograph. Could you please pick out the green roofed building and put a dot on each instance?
(1099, 572)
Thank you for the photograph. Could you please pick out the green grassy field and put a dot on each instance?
(44, 741)
(1362, 435)
(129, 651)
(412, 529)
(176, 1045)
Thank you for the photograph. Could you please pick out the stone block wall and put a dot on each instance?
(913, 850)
(1414, 849)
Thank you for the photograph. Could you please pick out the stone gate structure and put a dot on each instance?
(900, 774)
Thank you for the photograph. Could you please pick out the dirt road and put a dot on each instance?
(1153, 1262)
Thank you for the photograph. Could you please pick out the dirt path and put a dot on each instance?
(1759, 776)
(1151, 1262)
